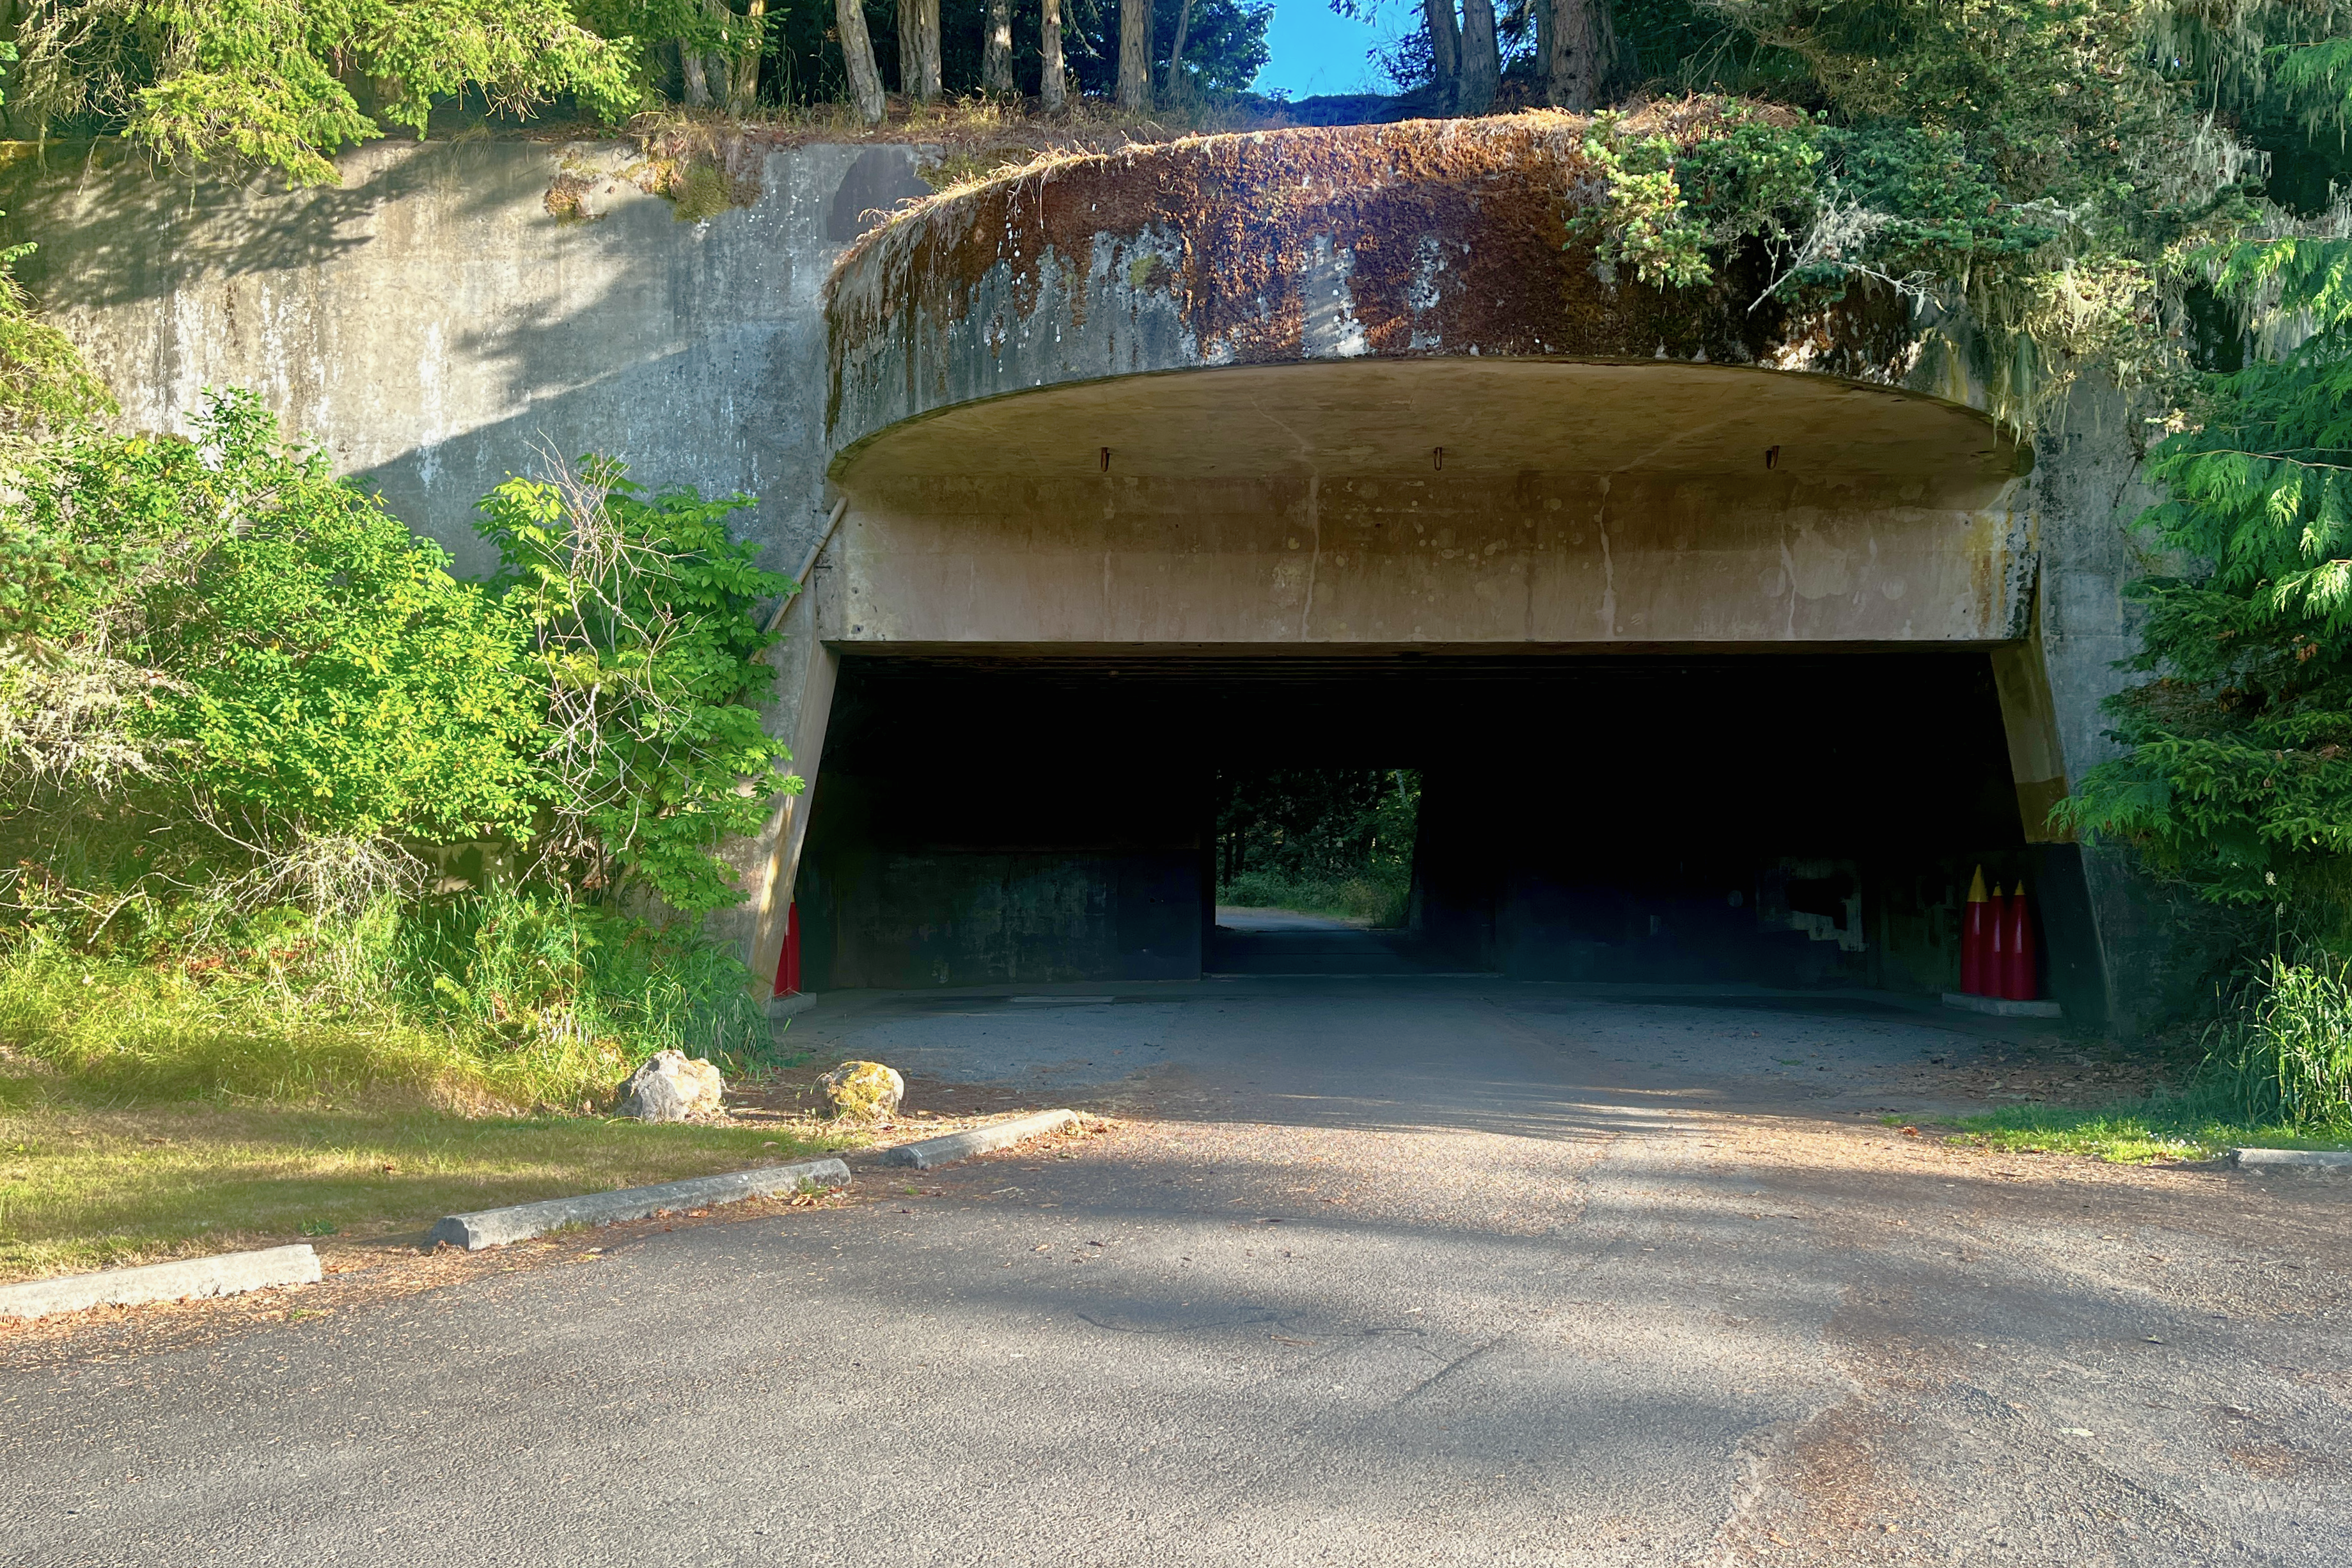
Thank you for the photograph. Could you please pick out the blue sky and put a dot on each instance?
(1315, 49)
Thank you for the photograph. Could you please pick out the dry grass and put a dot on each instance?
(89, 1181)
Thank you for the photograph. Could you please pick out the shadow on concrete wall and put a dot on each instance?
(435, 329)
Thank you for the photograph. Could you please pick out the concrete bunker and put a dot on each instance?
(1340, 445)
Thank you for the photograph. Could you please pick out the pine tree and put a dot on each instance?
(2238, 773)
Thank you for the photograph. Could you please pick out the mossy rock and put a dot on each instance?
(862, 1091)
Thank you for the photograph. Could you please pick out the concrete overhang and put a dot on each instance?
(1368, 386)
(1453, 243)
(1474, 420)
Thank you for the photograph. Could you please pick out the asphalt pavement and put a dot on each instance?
(1374, 1271)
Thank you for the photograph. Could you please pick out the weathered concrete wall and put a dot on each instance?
(1431, 559)
(434, 326)
(1436, 238)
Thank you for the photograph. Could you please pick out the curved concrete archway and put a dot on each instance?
(1433, 501)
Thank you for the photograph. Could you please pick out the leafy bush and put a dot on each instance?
(242, 707)
(639, 615)
(259, 643)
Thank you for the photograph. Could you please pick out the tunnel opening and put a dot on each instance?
(1311, 871)
(1784, 819)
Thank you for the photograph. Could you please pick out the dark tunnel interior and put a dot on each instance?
(1783, 818)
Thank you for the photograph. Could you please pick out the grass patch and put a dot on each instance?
(1378, 902)
(92, 1181)
(293, 1077)
(498, 1002)
(2137, 1132)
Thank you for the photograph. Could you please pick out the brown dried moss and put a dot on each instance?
(1493, 199)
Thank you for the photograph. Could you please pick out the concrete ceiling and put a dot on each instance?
(1494, 418)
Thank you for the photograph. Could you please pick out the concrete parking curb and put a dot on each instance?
(948, 1148)
(2292, 1158)
(521, 1222)
(2002, 1006)
(226, 1274)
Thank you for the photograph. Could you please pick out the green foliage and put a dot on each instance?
(239, 699)
(2282, 1052)
(1883, 206)
(2238, 777)
(268, 83)
(2041, 177)
(283, 85)
(1643, 221)
(1380, 899)
(2316, 79)
(517, 997)
(639, 611)
(539, 965)
(1332, 840)
(44, 385)
(307, 664)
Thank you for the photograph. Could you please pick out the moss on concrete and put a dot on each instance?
(1459, 239)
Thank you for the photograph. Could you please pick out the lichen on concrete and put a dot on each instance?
(1452, 237)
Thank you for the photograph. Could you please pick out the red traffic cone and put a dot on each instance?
(2017, 976)
(1975, 937)
(1996, 948)
(788, 960)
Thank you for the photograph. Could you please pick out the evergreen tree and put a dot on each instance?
(2239, 775)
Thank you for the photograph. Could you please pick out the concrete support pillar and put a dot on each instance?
(804, 693)
(2037, 761)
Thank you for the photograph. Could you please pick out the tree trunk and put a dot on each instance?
(996, 49)
(1135, 56)
(1482, 65)
(707, 76)
(1580, 45)
(1445, 47)
(926, 48)
(743, 81)
(1052, 82)
(1176, 80)
(910, 68)
(857, 56)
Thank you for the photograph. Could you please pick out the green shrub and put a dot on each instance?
(242, 707)
(254, 643)
(639, 614)
(2283, 1052)
(493, 999)
(1374, 898)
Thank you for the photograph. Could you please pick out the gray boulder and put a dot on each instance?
(673, 1088)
